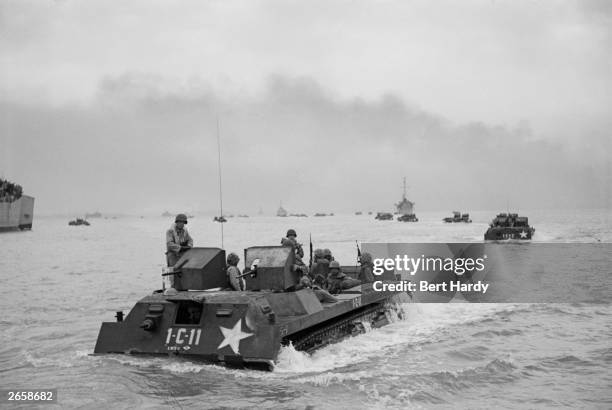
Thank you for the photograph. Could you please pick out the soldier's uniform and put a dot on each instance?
(178, 240)
(337, 280)
(321, 294)
(327, 254)
(233, 272)
(290, 240)
(320, 267)
(366, 273)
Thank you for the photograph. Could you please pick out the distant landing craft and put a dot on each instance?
(16, 214)
(384, 216)
(458, 217)
(78, 222)
(509, 226)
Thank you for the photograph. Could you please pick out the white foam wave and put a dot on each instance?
(423, 323)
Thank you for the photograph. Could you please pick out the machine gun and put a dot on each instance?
(252, 271)
(174, 270)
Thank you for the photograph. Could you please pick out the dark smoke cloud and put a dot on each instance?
(140, 148)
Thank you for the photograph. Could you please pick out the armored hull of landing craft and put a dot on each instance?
(509, 226)
(197, 320)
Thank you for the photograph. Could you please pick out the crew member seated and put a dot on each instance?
(327, 254)
(320, 267)
(321, 294)
(233, 273)
(194, 313)
(178, 240)
(337, 281)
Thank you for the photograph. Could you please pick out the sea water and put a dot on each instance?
(59, 283)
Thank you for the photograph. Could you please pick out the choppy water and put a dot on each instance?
(60, 283)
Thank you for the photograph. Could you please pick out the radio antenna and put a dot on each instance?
(220, 184)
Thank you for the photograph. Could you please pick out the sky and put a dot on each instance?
(323, 105)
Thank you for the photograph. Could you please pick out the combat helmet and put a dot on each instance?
(233, 259)
(366, 258)
(181, 218)
(326, 253)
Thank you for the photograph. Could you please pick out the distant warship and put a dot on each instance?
(405, 208)
(93, 215)
(281, 211)
(509, 226)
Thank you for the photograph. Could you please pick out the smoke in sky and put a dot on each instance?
(139, 147)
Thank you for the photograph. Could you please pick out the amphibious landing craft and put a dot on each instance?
(199, 319)
(509, 226)
(16, 209)
(458, 217)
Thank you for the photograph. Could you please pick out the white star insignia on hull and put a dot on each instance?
(523, 234)
(233, 336)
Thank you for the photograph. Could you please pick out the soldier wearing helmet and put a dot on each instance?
(291, 240)
(337, 280)
(321, 294)
(318, 254)
(320, 267)
(178, 240)
(327, 254)
(233, 272)
(366, 272)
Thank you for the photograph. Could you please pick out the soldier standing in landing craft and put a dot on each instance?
(366, 272)
(233, 273)
(291, 240)
(177, 240)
